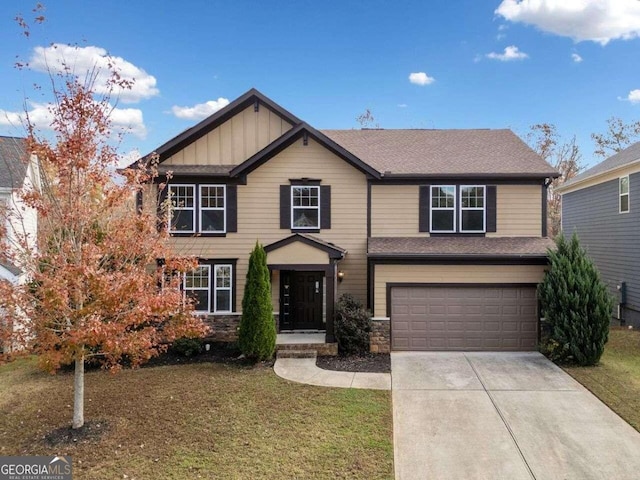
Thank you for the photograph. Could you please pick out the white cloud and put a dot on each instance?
(595, 20)
(201, 110)
(576, 58)
(510, 53)
(126, 159)
(421, 78)
(128, 120)
(634, 96)
(402, 105)
(84, 60)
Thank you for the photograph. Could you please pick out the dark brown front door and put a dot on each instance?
(301, 296)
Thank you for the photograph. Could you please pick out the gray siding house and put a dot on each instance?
(602, 205)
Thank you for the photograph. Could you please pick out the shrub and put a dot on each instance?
(257, 333)
(575, 304)
(187, 347)
(352, 326)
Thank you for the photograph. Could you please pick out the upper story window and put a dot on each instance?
(202, 208)
(624, 194)
(472, 208)
(212, 208)
(443, 209)
(305, 207)
(183, 208)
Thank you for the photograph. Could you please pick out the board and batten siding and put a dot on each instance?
(259, 216)
(395, 211)
(439, 274)
(612, 239)
(235, 140)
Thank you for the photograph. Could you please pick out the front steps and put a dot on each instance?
(304, 344)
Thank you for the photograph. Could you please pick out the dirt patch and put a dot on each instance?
(90, 432)
(370, 362)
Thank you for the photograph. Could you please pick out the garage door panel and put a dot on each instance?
(464, 318)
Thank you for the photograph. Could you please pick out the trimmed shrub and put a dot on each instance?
(576, 305)
(257, 333)
(352, 326)
(187, 347)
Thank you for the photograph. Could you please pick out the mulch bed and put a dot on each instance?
(88, 433)
(370, 362)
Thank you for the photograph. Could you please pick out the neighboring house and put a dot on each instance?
(17, 171)
(442, 233)
(601, 205)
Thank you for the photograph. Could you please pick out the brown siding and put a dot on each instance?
(518, 211)
(235, 140)
(259, 214)
(394, 211)
(449, 274)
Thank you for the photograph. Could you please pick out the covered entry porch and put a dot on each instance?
(304, 275)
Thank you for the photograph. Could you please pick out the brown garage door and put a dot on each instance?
(464, 318)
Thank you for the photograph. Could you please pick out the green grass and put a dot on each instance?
(201, 421)
(616, 380)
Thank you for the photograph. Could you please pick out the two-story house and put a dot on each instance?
(599, 205)
(441, 232)
(18, 170)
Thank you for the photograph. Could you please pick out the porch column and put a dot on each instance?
(331, 302)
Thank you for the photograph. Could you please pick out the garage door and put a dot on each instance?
(464, 318)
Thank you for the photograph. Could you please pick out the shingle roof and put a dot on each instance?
(459, 246)
(13, 164)
(11, 268)
(442, 152)
(620, 159)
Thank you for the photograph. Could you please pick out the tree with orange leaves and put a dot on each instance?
(94, 291)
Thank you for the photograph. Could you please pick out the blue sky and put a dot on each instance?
(476, 63)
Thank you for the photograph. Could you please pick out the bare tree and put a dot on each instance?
(619, 135)
(367, 120)
(564, 157)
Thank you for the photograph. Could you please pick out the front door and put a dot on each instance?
(301, 299)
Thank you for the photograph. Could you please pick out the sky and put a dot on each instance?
(413, 64)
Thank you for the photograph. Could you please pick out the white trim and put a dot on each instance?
(193, 209)
(432, 208)
(223, 209)
(620, 194)
(215, 289)
(484, 209)
(207, 289)
(293, 227)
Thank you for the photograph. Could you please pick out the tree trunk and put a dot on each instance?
(78, 392)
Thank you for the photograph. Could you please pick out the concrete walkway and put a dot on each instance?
(305, 370)
(503, 416)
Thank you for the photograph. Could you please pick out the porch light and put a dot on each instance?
(340, 275)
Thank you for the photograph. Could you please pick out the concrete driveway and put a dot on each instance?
(503, 416)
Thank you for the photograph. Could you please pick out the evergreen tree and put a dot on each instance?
(576, 304)
(257, 335)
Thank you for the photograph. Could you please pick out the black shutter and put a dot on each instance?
(139, 202)
(162, 214)
(325, 206)
(491, 209)
(285, 206)
(424, 200)
(232, 208)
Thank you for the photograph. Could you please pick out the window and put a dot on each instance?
(212, 208)
(222, 288)
(196, 286)
(210, 286)
(305, 207)
(183, 208)
(472, 212)
(443, 208)
(624, 194)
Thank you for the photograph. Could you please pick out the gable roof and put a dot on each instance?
(621, 159)
(332, 250)
(290, 137)
(415, 152)
(13, 164)
(208, 124)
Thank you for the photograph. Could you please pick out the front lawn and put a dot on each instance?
(616, 380)
(200, 421)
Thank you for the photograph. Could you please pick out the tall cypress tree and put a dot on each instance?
(257, 335)
(576, 304)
